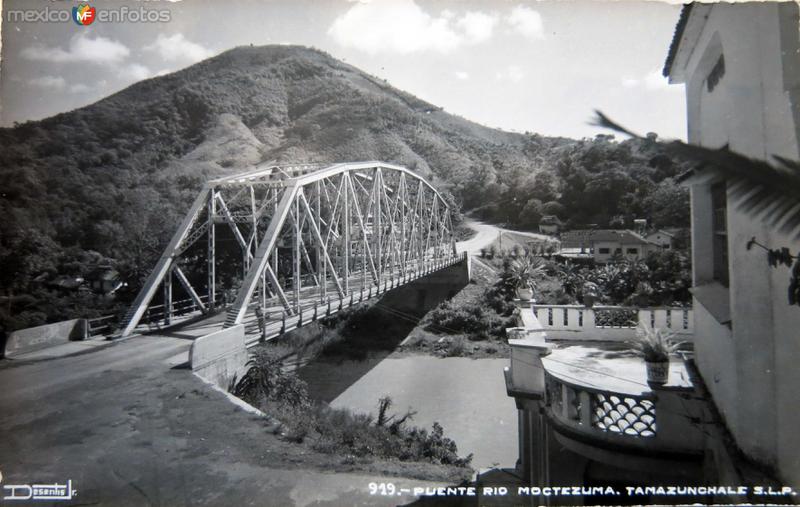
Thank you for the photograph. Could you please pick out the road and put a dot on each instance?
(486, 233)
(129, 425)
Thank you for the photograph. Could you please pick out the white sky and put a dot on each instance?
(517, 65)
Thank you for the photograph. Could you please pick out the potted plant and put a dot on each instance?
(591, 292)
(655, 346)
(521, 276)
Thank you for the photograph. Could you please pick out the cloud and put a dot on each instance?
(134, 71)
(52, 82)
(477, 26)
(177, 47)
(93, 87)
(82, 48)
(630, 82)
(80, 88)
(402, 27)
(526, 22)
(652, 81)
(512, 73)
(463, 76)
(656, 81)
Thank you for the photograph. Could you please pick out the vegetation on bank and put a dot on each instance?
(281, 394)
(662, 278)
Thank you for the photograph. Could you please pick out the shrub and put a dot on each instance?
(467, 318)
(265, 380)
(455, 348)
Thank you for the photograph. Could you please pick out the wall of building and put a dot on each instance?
(661, 239)
(748, 366)
(612, 246)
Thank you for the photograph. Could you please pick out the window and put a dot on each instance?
(604, 251)
(719, 224)
(714, 77)
(618, 250)
(634, 251)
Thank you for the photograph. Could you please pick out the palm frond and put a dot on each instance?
(759, 189)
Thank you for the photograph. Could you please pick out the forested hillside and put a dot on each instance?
(107, 183)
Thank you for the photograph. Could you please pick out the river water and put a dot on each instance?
(466, 396)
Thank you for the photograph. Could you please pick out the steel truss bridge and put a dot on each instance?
(314, 239)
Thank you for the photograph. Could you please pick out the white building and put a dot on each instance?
(662, 238)
(605, 245)
(586, 413)
(740, 65)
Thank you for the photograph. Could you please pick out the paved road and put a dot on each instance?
(486, 233)
(129, 426)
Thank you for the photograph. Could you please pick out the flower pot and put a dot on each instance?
(657, 372)
(588, 300)
(525, 294)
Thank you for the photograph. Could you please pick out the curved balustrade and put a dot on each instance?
(631, 416)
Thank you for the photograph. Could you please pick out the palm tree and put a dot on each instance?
(761, 190)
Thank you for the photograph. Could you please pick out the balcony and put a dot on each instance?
(600, 395)
(570, 364)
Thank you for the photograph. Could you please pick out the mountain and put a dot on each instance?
(107, 183)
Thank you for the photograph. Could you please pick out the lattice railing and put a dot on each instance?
(623, 414)
(588, 409)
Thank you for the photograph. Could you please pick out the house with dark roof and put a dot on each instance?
(606, 245)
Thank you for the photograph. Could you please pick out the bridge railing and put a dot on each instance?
(275, 326)
(108, 324)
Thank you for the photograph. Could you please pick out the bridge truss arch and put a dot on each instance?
(307, 234)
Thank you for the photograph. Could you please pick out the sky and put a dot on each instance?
(523, 66)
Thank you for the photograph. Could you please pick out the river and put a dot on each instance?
(466, 396)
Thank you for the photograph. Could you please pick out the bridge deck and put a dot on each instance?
(312, 307)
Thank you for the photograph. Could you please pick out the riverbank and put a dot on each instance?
(462, 334)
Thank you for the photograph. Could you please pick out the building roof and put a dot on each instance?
(622, 236)
(662, 231)
(676, 38)
(586, 236)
